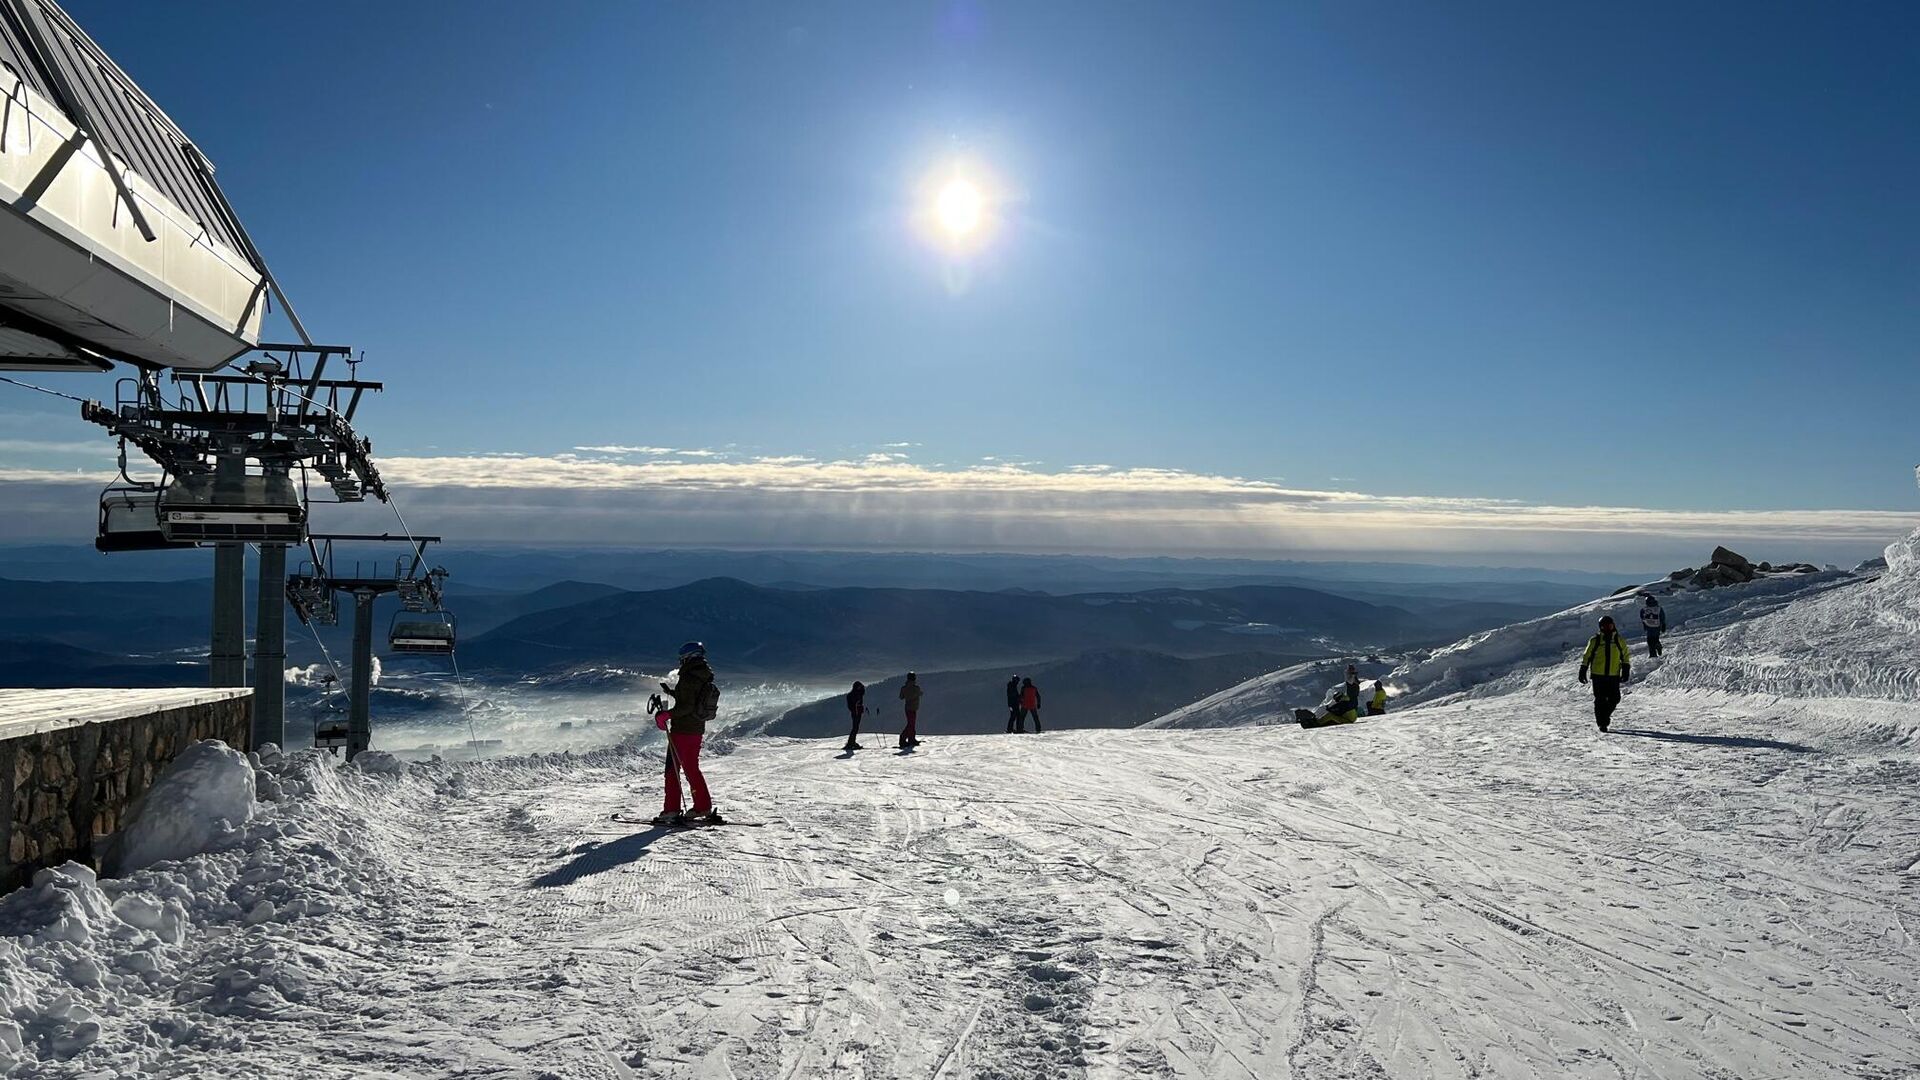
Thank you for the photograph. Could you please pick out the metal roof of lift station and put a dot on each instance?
(115, 241)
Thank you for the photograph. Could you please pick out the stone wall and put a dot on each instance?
(64, 788)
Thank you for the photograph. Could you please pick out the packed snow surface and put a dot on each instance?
(1478, 886)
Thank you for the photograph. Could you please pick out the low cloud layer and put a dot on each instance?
(659, 496)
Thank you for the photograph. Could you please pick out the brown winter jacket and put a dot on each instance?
(695, 678)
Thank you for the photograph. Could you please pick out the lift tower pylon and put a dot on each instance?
(310, 593)
(280, 413)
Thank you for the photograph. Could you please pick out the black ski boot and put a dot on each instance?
(1603, 724)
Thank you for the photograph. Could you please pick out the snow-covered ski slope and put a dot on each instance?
(1480, 886)
(1506, 658)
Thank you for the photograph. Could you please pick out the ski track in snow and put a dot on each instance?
(1488, 889)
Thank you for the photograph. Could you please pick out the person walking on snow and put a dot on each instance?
(1378, 705)
(1653, 619)
(856, 707)
(1607, 660)
(910, 697)
(1013, 704)
(1030, 704)
(696, 700)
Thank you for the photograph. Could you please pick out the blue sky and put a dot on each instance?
(1631, 257)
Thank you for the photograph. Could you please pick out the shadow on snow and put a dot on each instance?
(600, 858)
(1739, 741)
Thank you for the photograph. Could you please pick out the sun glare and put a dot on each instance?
(957, 208)
(960, 208)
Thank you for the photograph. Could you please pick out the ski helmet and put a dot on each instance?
(693, 650)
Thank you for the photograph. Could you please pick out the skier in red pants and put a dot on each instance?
(696, 700)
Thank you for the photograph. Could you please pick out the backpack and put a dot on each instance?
(708, 707)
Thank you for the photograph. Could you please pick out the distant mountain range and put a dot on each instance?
(521, 569)
(1110, 689)
(828, 632)
(804, 619)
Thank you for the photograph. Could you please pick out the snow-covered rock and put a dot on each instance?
(197, 803)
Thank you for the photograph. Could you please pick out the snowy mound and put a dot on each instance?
(1271, 698)
(198, 803)
(1847, 643)
(1501, 660)
(1486, 662)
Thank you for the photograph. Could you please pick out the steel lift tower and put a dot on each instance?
(230, 447)
(422, 626)
(117, 246)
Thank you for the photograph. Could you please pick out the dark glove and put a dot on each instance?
(1583, 675)
(1624, 672)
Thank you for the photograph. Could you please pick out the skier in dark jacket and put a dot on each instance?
(1013, 704)
(695, 701)
(856, 708)
(1030, 704)
(1353, 685)
(910, 694)
(1653, 619)
(1607, 660)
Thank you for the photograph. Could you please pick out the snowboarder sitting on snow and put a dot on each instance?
(910, 695)
(1653, 619)
(1341, 710)
(1378, 705)
(1029, 704)
(696, 700)
(856, 707)
(1013, 704)
(1607, 660)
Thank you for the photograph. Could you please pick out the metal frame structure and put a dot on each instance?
(310, 592)
(282, 414)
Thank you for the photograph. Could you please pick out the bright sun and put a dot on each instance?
(960, 207)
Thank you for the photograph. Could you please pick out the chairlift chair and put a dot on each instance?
(330, 734)
(202, 509)
(431, 632)
(130, 521)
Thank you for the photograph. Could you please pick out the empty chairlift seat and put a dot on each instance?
(422, 632)
(248, 509)
(130, 521)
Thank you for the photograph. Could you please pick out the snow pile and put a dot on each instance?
(198, 803)
(1509, 658)
(378, 763)
(211, 922)
(1483, 663)
(1847, 643)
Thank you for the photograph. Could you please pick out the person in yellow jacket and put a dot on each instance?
(1607, 661)
(1377, 705)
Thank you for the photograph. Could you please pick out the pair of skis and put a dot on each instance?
(684, 822)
